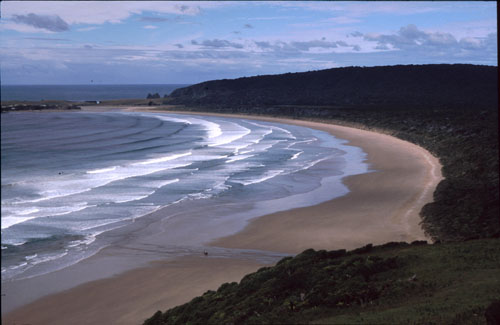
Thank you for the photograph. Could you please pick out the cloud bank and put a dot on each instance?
(157, 42)
(51, 23)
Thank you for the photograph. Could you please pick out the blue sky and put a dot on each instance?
(114, 42)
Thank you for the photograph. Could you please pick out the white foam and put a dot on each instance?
(162, 159)
(54, 189)
(9, 221)
(303, 141)
(50, 197)
(170, 181)
(89, 239)
(30, 257)
(18, 243)
(132, 198)
(221, 185)
(27, 211)
(18, 266)
(228, 137)
(274, 127)
(268, 175)
(313, 163)
(239, 157)
(213, 129)
(261, 147)
(248, 141)
(49, 258)
(200, 195)
(199, 157)
(103, 170)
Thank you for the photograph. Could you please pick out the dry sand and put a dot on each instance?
(381, 206)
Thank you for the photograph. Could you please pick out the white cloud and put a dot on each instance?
(98, 12)
(473, 28)
(420, 44)
(470, 43)
(294, 36)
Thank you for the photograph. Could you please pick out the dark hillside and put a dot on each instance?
(423, 86)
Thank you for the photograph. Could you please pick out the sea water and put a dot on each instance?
(90, 92)
(68, 177)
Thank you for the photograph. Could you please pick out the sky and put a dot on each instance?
(166, 42)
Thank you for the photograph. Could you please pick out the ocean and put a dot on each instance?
(84, 92)
(68, 178)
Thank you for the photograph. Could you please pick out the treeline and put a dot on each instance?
(394, 283)
(429, 86)
(37, 107)
(155, 96)
(451, 110)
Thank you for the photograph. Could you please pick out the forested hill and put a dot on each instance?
(417, 86)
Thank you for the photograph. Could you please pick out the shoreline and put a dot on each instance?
(259, 233)
(381, 206)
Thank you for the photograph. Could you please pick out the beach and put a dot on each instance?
(382, 206)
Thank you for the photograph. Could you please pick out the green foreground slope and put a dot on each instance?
(394, 283)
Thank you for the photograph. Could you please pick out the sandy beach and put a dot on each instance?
(382, 206)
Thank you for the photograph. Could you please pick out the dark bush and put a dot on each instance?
(153, 96)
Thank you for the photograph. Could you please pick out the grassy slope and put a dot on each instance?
(453, 283)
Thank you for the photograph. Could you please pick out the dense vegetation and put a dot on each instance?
(451, 110)
(151, 96)
(429, 86)
(27, 106)
(394, 283)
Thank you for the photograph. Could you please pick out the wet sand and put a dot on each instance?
(381, 206)
(133, 296)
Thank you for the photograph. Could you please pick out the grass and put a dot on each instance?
(463, 279)
(394, 283)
